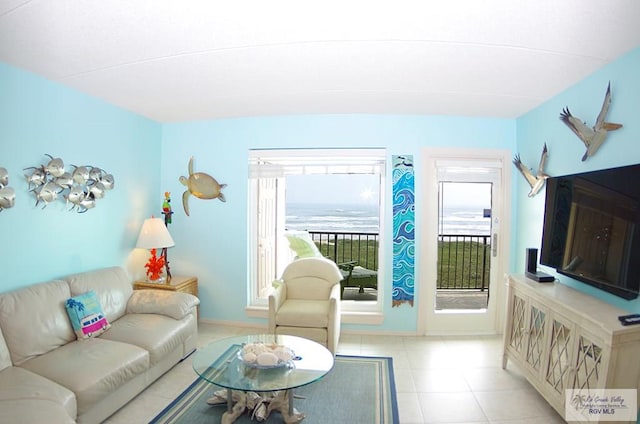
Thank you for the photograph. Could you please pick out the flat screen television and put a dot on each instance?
(591, 228)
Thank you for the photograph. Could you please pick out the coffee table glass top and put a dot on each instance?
(219, 363)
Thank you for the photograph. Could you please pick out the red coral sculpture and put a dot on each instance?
(154, 266)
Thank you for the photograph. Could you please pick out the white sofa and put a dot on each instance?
(48, 376)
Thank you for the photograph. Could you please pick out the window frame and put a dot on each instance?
(275, 164)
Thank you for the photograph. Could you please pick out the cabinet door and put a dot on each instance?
(591, 361)
(517, 335)
(536, 330)
(559, 364)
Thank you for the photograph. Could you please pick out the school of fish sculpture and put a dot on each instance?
(202, 186)
(7, 194)
(80, 188)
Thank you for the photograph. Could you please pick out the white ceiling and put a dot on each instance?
(188, 60)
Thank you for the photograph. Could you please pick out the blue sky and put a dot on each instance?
(364, 189)
(328, 189)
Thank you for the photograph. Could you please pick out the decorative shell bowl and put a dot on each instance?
(265, 355)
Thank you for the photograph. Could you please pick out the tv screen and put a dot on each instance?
(591, 228)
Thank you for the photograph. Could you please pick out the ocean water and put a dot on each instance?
(363, 218)
(470, 221)
(355, 218)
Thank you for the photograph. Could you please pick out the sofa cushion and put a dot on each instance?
(112, 285)
(176, 305)
(86, 316)
(17, 383)
(34, 320)
(30, 411)
(157, 334)
(91, 368)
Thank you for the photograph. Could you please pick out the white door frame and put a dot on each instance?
(431, 322)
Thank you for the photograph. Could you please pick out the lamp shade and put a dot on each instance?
(154, 234)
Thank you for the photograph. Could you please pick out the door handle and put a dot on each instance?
(494, 245)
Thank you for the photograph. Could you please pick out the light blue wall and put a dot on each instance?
(541, 125)
(146, 158)
(212, 242)
(38, 117)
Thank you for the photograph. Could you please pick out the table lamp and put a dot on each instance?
(153, 235)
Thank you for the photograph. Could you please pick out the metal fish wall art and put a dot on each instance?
(80, 187)
(7, 194)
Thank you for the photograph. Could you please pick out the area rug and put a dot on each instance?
(358, 390)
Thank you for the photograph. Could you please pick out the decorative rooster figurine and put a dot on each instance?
(591, 137)
(535, 181)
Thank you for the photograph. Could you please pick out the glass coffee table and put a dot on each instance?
(261, 388)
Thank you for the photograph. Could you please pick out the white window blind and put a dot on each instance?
(279, 163)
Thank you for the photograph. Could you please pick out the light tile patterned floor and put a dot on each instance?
(438, 380)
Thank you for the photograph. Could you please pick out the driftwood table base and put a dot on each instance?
(260, 405)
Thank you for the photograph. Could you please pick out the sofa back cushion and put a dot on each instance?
(34, 320)
(5, 357)
(112, 286)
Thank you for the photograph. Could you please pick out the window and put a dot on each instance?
(280, 182)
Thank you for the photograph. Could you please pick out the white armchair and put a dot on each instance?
(306, 303)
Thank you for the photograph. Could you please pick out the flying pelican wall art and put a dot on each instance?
(591, 137)
(201, 185)
(537, 181)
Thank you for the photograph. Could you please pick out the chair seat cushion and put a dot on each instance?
(303, 313)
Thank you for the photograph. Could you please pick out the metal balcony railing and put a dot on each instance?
(343, 247)
(463, 259)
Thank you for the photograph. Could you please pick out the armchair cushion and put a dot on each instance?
(303, 313)
(176, 305)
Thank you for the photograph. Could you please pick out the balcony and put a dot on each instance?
(462, 274)
(357, 256)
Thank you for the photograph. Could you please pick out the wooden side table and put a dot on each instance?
(178, 283)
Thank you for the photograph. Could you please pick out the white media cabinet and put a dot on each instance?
(561, 339)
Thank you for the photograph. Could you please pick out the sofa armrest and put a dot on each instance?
(176, 305)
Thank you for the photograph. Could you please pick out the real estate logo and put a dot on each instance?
(601, 405)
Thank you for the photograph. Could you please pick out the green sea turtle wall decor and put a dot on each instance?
(201, 185)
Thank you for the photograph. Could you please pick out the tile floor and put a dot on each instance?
(438, 380)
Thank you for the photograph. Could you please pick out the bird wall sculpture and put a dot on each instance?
(591, 137)
(536, 182)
